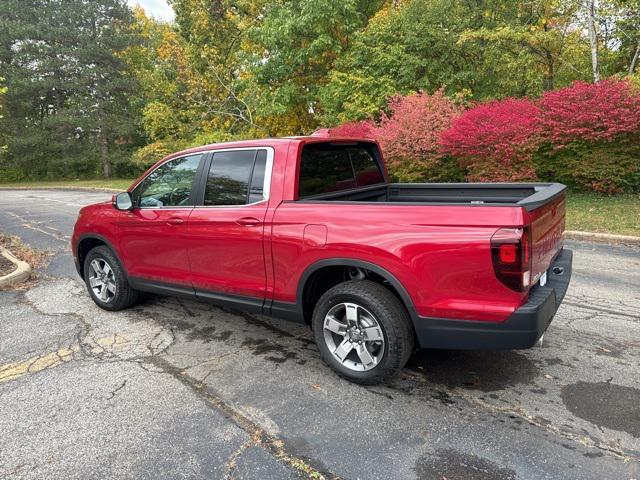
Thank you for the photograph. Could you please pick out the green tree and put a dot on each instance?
(68, 109)
(213, 34)
(619, 34)
(293, 49)
(538, 32)
(486, 49)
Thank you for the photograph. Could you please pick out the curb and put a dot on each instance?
(20, 274)
(602, 238)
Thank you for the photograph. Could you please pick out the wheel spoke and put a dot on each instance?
(332, 324)
(103, 293)
(351, 314)
(106, 269)
(95, 266)
(373, 334)
(95, 282)
(343, 349)
(365, 357)
(111, 287)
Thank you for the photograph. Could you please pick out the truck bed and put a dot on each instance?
(527, 195)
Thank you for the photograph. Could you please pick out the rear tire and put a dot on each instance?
(363, 331)
(106, 280)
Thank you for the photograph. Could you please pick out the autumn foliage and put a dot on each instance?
(362, 129)
(496, 140)
(591, 136)
(408, 134)
(411, 129)
(590, 112)
(585, 135)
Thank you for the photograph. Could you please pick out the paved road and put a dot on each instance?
(182, 389)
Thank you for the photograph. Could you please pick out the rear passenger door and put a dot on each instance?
(226, 228)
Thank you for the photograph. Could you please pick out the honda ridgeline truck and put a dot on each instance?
(311, 229)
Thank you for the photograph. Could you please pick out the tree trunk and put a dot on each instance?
(593, 41)
(104, 154)
(634, 60)
(549, 76)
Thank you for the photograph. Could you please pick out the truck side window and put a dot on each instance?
(236, 177)
(169, 185)
(256, 192)
(327, 167)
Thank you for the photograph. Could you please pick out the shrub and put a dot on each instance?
(447, 169)
(604, 167)
(495, 140)
(587, 112)
(585, 135)
(361, 129)
(592, 136)
(11, 174)
(409, 134)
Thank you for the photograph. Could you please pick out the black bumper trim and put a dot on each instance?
(521, 330)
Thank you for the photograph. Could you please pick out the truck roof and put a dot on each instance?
(267, 142)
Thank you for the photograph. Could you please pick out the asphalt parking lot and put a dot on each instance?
(183, 389)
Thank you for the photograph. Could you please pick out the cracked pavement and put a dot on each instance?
(177, 388)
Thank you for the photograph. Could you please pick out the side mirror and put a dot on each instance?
(122, 201)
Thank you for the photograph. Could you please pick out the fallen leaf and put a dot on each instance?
(316, 386)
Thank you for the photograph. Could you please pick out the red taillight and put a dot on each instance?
(508, 253)
(511, 257)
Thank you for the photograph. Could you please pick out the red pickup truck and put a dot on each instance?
(311, 229)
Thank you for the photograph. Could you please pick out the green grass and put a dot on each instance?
(589, 212)
(114, 183)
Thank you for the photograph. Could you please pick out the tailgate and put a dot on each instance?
(547, 228)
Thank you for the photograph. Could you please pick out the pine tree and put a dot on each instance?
(67, 109)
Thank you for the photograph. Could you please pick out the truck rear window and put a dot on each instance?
(327, 167)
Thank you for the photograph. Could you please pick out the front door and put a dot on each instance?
(226, 231)
(153, 235)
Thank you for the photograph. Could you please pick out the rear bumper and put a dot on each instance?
(521, 330)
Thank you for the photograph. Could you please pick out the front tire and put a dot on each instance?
(106, 280)
(363, 331)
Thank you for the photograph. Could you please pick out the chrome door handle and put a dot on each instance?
(248, 221)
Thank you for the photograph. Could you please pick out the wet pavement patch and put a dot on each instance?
(205, 334)
(454, 465)
(475, 370)
(605, 405)
(272, 351)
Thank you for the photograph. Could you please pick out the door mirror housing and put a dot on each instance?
(122, 201)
